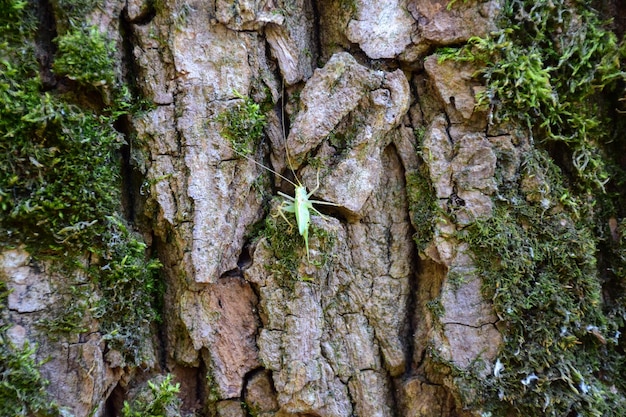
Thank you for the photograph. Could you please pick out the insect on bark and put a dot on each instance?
(300, 204)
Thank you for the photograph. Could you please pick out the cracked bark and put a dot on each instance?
(349, 337)
(229, 337)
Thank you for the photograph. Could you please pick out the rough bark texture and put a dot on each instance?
(367, 323)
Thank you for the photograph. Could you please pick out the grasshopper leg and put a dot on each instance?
(285, 207)
(317, 185)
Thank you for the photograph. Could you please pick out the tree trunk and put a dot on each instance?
(464, 253)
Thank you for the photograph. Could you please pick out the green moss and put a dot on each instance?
(129, 293)
(548, 69)
(423, 206)
(86, 56)
(423, 203)
(160, 401)
(538, 266)
(436, 308)
(289, 249)
(287, 245)
(22, 388)
(452, 2)
(60, 179)
(549, 257)
(212, 393)
(60, 174)
(343, 139)
(243, 125)
(250, 410)
(129, 286)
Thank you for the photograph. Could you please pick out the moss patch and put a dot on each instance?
(159, 400)
(550, 257)
(22, 389)
(243, 125)
(547, 69)
(423, 206)
(129, 285)
(85, 55)
(423, 203)
(60, 176)
(539, 268)
(289, 249)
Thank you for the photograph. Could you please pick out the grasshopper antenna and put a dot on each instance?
(282, 121)
(263, 166)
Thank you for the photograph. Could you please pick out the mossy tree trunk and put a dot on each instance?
(467, 257)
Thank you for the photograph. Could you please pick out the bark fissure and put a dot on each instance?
(46, 47)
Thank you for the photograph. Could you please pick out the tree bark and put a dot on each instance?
(383, 310)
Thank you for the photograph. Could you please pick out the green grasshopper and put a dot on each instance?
(300, 204)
